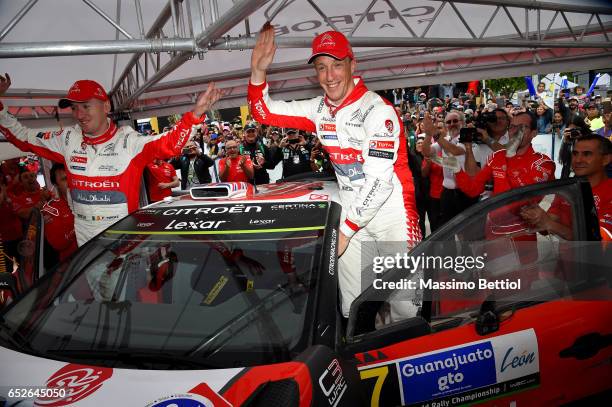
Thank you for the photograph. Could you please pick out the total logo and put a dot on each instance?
(385, 145)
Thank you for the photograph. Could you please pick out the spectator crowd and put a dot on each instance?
(451, 171)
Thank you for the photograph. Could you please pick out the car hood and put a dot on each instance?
(97, 386)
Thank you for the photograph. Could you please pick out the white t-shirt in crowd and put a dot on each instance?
(449, 174)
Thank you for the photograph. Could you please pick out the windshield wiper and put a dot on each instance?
(241, 322)
(139, 358)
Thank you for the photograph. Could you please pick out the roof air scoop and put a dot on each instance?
(222, 190)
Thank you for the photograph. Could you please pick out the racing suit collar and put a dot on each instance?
(112, 129)
(355, 94)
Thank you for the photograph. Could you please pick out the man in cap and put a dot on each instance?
(365, 141)
(258, 152)
(593, 119)
(104, 163)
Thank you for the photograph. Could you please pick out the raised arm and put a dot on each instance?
(265, 110)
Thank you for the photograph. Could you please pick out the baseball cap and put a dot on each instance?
(590, 105)
(333, 44)
(82, 91)
(469, 111)
(250, 126)
(422, 94)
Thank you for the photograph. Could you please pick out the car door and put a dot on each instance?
(545, 342)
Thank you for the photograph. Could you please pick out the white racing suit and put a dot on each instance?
(104, 173)
(367, 147)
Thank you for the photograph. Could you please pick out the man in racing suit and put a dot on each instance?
(104, 163)
(367, 147)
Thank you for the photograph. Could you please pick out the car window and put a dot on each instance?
(492, 251)
(235, 296)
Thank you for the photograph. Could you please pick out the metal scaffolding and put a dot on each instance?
(185, 29)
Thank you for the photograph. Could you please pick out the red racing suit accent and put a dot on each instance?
(164, 172)
(59, 227)
(366, 144)
(508, 173)
(104, 173)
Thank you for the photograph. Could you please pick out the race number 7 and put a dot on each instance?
(381, 374)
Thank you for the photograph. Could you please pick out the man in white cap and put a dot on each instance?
(104, 163)
(366, 144)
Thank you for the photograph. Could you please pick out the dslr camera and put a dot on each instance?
(470, 135)
(485, 119)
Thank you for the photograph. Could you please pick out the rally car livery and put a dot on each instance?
(228, 296)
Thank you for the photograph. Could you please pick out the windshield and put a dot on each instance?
(233, 296)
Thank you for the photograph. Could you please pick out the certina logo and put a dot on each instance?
(282, 207)
(95, 184)
(381, 154)
(260, 109)
(389, 145)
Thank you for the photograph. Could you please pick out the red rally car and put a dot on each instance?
(229, 296)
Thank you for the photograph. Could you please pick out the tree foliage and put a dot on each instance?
(507, 86)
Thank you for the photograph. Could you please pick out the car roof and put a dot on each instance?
(242, 192)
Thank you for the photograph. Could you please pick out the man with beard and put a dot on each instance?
(516, 166)
(194, 166)
(258, 153)
(574, 109)
(452, 201)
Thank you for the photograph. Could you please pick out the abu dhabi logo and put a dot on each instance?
(75, 88)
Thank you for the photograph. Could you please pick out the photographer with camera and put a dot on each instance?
(489, 134)
(295, 155)
(516, 166)
(576, 128)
